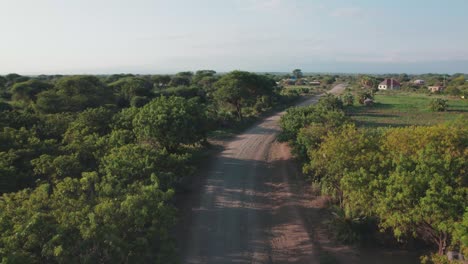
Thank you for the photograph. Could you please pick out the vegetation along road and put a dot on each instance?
(247, 211)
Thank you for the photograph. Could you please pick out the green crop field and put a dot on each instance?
(405, 109)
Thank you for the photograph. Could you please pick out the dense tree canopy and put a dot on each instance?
(74, 93)
(170, 122)
(27, 91)
(240, 89)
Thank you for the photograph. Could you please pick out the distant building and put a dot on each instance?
(389, 84)
(419, 82)
(436, 88)
(315, 83)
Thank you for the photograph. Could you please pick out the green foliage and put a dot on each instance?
(132, 162)
(27, 91)
(130, 88)
(438, 105)
(84, 181)
(348, 229)
(299, 117)
(363, 95)
(171, 122)
(76, 222)
(425, 191)
(139, 101)
(329, 102)
(348, 99)
(4, 106)
(240, 89)
(74, 93)
(413, 180)
(460, 233)
(182, 91)
(297, 73)
(160, 81)
(179, 81)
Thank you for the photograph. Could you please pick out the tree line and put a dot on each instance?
(89, 165)
(412, 181)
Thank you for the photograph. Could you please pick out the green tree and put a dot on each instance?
(438, 105)
(27, 91)
(136, 162)
(76, 223)
(130, 87)
(202, 74)
(348, 99)
(297, 73)
(425, 191)
(160, 81)
(75, 93)
(238, 89)
(171, 122)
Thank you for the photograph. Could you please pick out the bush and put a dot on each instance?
(348, 229)
(438, 105)
(365, 95)
(348, 99)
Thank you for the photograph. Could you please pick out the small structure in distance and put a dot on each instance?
(436, 88)
(389, 84)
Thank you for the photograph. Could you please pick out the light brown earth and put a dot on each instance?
(254, 208)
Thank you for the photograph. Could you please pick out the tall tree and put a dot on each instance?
(239, 89)
(297, 73)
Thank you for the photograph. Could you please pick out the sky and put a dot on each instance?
(153, 36)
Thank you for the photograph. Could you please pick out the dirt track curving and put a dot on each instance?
(248, 211)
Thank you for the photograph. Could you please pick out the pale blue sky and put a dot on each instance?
(143, 36)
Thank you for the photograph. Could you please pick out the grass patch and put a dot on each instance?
(404, 109)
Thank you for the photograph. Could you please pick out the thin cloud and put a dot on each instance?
(283, 7)
(267, 4)
(347, 12)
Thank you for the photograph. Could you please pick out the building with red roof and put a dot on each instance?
(389, 84)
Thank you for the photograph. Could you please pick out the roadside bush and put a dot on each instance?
(330, 102)
(349, 229)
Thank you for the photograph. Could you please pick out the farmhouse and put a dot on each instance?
(389, 84)
(419, 82)
(437, 88)
(314, 83)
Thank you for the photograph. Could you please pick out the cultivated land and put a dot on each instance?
(405, 109)
(253, 208)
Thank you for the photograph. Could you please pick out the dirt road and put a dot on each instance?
(248, 211)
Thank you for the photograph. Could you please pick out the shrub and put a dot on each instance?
(348, 99)
(438, 105)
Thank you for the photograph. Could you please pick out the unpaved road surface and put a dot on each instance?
(248, 211)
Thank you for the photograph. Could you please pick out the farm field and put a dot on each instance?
(405, 109)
